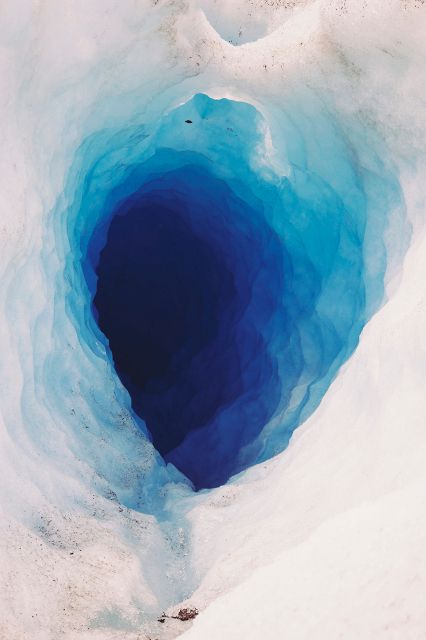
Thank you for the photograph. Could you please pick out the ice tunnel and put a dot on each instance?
(227, 292)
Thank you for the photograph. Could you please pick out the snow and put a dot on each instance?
(98, 535)
(360, 574)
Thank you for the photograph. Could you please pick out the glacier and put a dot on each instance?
(243, 185)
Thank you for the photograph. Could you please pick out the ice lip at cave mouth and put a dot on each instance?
(229, 297)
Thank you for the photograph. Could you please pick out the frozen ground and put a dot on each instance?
(98, 536)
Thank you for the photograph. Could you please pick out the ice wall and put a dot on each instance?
(327, 134)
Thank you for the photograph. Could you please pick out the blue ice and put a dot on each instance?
(227, 293)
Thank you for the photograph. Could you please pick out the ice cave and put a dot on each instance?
(228, 297)
(212, 411)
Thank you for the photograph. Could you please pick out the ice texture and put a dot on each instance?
(228, 294)
(299, 179)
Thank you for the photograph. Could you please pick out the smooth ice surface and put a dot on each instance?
(298, 186)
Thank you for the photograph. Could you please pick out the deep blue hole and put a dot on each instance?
(181, 299)
(227, 294)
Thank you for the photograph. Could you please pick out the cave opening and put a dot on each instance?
(224, 287)
(185, 289)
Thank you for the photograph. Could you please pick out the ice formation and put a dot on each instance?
(212, 319)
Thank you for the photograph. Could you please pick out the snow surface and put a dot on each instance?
(98, 536)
